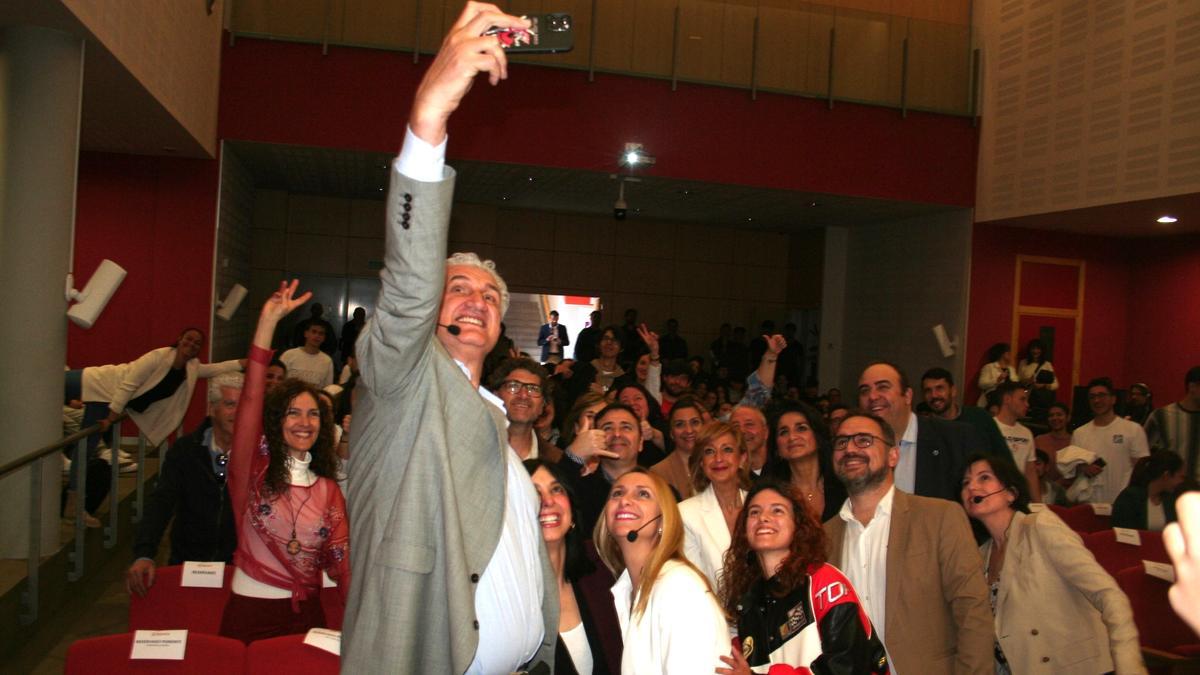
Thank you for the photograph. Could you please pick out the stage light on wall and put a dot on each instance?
(945, 343)
(227, 307)
(91, 301)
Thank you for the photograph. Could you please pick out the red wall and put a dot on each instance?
(1126, 334)
(156, 217)
(356, 98)
(1164, 314)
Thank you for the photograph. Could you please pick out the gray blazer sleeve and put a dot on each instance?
(397, 337)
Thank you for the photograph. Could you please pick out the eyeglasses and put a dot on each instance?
(862, 441)
(512, 387)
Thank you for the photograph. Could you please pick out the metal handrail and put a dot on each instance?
(34, 456)
(29, 597)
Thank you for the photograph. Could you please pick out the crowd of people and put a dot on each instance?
(641, 508)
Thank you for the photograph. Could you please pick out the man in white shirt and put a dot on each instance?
(1117, 441)
(1014, 404)
(912, 560)
(450, 574)
(309, 363)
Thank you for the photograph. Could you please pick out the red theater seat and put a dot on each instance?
(1114, 556)
(205, 654)
(1166, 640)
(168, 605)
(1082, 518)
(331, 602)
(289, 654)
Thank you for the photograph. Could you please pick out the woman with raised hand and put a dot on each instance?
(721, 476)
(791, 606)
(670, 620)
(1056, 609)
(589, 639)
(290, 513)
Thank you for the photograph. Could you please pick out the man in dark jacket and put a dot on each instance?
(191, 489)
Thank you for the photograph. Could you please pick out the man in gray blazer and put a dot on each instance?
(449, 573)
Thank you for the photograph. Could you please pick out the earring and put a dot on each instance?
(660, 531)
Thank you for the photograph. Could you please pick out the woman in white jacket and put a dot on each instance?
(998, 370)
(1056, 610)
(155, 390)
(670, 621)
(721, 478)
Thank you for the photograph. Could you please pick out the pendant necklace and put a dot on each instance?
(293, 545)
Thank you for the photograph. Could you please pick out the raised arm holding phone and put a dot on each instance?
(450, 573)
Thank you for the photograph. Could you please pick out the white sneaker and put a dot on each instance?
(129, 468)
(125, 457)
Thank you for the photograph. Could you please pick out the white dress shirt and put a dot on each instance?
(508, 599)
(864, 552)
(682, 631)
(906, 470)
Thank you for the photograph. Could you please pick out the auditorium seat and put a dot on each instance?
(1166, 640)
(109, 654)
(331, 602)
(168, 605)
(1082, 518)
(289, 654)
(1114, 556)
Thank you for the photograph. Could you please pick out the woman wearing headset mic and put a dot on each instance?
(1056, 610)
(670, 620)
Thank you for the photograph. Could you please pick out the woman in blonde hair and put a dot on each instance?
(670, 620)
(721, 478)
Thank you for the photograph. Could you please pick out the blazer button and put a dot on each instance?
(474, 578)
(476, 622)
(1033, 632)
(1045, 659)
(407, 197)
(935, 453)
(405, 225)
(407, 206)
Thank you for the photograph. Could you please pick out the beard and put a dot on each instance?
(864, 481)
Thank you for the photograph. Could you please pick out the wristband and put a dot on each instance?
(571, 456)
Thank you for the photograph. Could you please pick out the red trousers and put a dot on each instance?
(249, 619)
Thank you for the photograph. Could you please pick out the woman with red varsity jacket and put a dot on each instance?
(795, 613)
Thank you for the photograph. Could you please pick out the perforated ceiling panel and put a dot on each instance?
(1088, 102)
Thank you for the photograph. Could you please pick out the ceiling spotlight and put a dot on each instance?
(531, 179)
(749, 220)
(635, 155)
(504, 198)
(813, 204)
(1167, 220)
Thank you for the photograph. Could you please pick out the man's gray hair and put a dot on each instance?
(227, 380)
(473, 260)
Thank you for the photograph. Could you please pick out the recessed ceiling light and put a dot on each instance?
(1167, 220)
(531, 179)
(504, 198)
(749, 220)
(813, 204)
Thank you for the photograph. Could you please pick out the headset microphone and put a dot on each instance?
(978, 499)
(633, 536)
(450, 328)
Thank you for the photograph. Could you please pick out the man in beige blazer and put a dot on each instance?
(912, 560)
(449, 571)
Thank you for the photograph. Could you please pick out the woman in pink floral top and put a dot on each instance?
(289, 510)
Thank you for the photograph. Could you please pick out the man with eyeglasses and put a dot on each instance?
(191, 489)
(1117, 442)
(912, 560)
(521, 384)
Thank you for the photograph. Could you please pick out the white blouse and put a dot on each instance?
(681, 632)
(577, 646)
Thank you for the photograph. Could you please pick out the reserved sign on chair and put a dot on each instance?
(202, 574)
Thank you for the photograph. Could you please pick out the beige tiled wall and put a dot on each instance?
(700, 274)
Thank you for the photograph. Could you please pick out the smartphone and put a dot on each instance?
(548, 34)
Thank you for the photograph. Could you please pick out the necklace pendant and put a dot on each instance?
(293, 546)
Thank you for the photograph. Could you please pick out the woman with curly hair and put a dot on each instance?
(290, 513)
(670, 621)
(791, 606)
